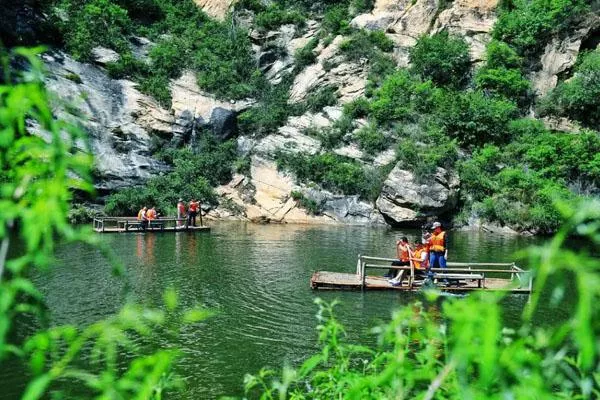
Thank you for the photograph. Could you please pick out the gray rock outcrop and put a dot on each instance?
(404, 21)
(405, 202)
(561, 54)
(292, 137)
(195, 110)
(349, 78)
(119, 119)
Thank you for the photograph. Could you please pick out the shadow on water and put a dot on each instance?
(256, 277)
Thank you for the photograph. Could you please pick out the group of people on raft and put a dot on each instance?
(430, 252)
(147, 215)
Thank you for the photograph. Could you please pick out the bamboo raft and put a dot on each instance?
(464, 277)
(132, 225)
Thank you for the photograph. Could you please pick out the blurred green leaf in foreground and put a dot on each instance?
(42, 162)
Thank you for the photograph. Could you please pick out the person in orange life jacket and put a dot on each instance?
(151, 214)
(438, 250)
(192, 212)
(420, 258)
(143, 218)
(180, 211)
(403, 253)
(420, 261)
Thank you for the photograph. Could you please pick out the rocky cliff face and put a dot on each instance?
(127, 126)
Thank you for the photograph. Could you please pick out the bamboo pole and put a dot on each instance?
(363, 272)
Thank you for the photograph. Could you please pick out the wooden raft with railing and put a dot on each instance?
(132, 224)
(457, 277)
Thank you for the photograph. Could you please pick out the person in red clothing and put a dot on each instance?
(180, 211)
(192, 212)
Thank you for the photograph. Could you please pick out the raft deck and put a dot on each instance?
(132, 225)
(463, 277)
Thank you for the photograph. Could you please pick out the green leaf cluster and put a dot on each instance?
(578, 98)
(441, 58)
(527, 25)
(275, 15)
(194, 175)
(43, 161)
(502, 73)
(518, 183)
(333, 172)
(363, 44)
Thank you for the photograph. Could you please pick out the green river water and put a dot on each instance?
(256, 277)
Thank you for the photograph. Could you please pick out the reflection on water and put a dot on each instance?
(257, 279)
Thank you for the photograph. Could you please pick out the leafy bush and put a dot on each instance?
(309, 204)
(333, 136)
(128, 66)
(380, 67)
(269, 113)
(357, 108)
(325, 96)
(365, 44)
(275, 15)
(371, 139)
(516, 185)
(442, 58)
(91, 23)
(475, 119)
(579, 97)
(424, 147)
(336, 20)
(527, 25)
(157, 86)
(329, 170)
(361, 6)
(401, 97)
(305, 56)
(502, 72)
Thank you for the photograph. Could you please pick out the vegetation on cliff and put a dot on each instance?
(439, 112)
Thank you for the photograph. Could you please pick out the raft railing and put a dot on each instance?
(523, 276)
(113, 224)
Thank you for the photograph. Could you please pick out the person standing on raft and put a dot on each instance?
(438, 250)
(192, 212)
(142, 218)
(181, 214)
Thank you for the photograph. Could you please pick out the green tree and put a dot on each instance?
(579, 97)
(501, 73)
(527, 25)
(474, 118)
(92, 23)
(442, 58)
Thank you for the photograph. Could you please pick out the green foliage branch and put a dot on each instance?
(42, 162)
